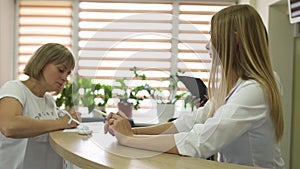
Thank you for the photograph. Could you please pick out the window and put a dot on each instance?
(41, 22)
(160, 37)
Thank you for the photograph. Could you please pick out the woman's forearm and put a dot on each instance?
(165, 128)
(24, 127)
(160, 143)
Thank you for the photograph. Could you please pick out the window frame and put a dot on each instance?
(175, 24)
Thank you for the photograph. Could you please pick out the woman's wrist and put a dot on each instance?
(124, 139)
(134, 130)
(61, 123)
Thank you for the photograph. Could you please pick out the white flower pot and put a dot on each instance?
(165, 112)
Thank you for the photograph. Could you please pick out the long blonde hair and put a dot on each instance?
(240, 42)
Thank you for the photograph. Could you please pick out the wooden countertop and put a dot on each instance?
(102, 151)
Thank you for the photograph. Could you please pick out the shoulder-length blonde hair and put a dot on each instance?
(240, 43)
(48, 53)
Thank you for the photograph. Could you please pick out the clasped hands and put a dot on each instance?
(117, 124)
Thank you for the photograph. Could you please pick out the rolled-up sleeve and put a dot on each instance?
(186, 122)
(245, 109)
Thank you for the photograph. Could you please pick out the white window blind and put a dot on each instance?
(194, 27)
(115, 37)
(42, 22)
(159, 37)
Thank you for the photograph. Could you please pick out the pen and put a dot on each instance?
(100, 112)
(71, 118)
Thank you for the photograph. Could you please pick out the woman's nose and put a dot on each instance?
(207, 46)
(64, 76)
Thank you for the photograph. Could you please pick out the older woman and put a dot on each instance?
(28, 111)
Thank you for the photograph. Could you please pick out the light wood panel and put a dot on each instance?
(102, 151)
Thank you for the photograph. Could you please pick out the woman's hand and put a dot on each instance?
(200, 102)
(117, 123)
(67, 122)
(107, 123)
(121, 128)
(109, 120)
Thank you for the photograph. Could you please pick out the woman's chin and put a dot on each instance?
(57, 91)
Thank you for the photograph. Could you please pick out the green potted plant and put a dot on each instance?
(130, 98)
(166, 102)
(160, 96)
(189, 100)
(84, 92)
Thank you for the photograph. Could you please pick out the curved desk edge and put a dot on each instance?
(83, 152)
(67, 152)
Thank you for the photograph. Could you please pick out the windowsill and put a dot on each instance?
(145, 117)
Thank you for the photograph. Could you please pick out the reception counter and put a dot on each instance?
(102, 151)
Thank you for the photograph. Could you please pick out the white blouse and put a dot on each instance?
(240, 131)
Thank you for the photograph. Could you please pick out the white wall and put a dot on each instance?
(281, 48)
(7, 60)
(6, 40)
(295, 151)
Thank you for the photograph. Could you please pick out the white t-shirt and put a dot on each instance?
(241, 130)
(29, 153)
